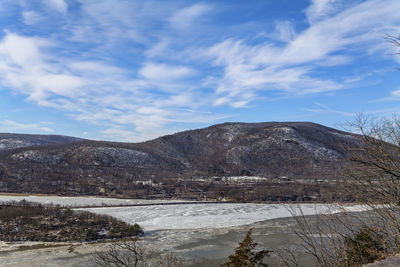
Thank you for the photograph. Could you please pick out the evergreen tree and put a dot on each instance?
(245, 256)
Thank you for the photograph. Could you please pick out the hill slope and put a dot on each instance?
(298, 150)
(11, 141)
(267, 149)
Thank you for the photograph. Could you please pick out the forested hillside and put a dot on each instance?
(193, 163)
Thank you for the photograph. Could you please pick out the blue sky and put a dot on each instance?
(135, 70)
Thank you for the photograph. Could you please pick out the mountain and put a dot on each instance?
(11, 141)
(266, 149)
(189, 161)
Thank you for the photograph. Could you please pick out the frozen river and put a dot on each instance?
(197, 216)
(202, 233)
(169, 215)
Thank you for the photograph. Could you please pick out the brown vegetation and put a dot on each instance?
(24, 221)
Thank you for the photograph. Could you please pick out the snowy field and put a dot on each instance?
(212, 216)
(82, 201)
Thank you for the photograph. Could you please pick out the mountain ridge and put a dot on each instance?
(297, 150)
(16, 140)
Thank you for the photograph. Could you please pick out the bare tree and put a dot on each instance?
(135, 253)
(335, 238)
(169, 260)
(372, 175)
(375, 172)
(126, 253)
(394, 40)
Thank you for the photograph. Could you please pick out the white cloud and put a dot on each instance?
(221, 101)
(393, 96)
(120, 134)
(107, 23)
(31, 17)
(249, 69)
(185, 17)
(16, 125)
(326, 109)
(164, 72)
(46, 129)
(284, 31)
(12, 126)
(159, 49)
(169, 79)
(240, 104)
(19, 50)
(24, 68)
(320, 9)
(99, 93)
(267, 67)
(57, 5)
(395, 93)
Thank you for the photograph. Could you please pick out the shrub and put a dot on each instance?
(365, 247)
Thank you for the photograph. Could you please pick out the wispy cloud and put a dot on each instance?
(184, 17)
(394, 95)
(249, 69)
(26, 69)
(321, 9)
(12, 126)
(284, 31)
(31, 17)
(138, 69)
(57, 5)
(164, 72)
(100, 93)
(326, 109)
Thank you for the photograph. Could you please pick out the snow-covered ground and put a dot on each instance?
(194, 231)
(184, 216)
(197, 216)
(82, 201)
